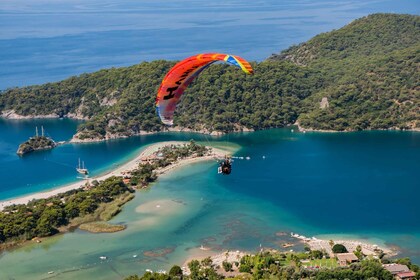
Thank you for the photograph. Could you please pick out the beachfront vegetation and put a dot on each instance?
(359, 252)
(175, 271)
(145, 173)
(45, 217)
(273, 265)
(98, 201)
(339, 248)
(367, 70)
(143, 176)
(276, 265)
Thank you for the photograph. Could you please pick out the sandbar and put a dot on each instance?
(120, 171)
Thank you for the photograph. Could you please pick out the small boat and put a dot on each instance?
(134, 256)
(50, 272)
(103, 257)
(81, 168)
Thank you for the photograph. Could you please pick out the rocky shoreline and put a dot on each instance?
(36, 143)
(12, 115)
(109, 136)
(309, 129)
(367, 248)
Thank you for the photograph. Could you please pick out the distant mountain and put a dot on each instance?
(366, 74)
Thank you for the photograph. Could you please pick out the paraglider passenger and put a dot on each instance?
(225, 167)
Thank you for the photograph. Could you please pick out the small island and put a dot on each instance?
(35, 143)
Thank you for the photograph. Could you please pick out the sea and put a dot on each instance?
(44, 41)
(359, 185)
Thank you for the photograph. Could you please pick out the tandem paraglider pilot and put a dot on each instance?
(225, 167)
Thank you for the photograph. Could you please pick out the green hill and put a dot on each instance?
(367, 72)
(121, 102)
(370, 70)
(377, 34)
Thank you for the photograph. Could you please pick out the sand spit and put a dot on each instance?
(119, 171)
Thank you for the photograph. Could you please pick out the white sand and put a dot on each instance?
(218, 259)
(133, 164)
(155, 212)
(351, 245)
(160, 207)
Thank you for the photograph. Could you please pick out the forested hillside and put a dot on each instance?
(370, 70)
(121, 102)
(367, 72)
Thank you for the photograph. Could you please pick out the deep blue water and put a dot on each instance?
(361, 182)
(43, 170)
(44, 41)
(359, 185)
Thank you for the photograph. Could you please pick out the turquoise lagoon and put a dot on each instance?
(360, 185)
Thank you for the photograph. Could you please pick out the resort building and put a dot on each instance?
(149, 159)
(345, 259)
(405, 276)
(400, 271)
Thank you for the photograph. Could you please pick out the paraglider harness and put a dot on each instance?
(225, 167)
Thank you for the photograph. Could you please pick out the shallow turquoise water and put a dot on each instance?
(358, 185)
(48, 169)
(194, 210)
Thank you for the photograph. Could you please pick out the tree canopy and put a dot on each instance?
(367, 71)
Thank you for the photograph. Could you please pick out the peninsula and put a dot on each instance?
(363, 76)
(96, 199)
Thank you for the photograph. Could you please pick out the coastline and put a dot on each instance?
(368, 249)
(11, 115)
(322, 243)
(119, 171)
(309, 129)
(108, 136)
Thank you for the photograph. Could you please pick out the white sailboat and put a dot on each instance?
(81, 168)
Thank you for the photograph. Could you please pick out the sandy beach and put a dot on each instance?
(217, 260)
(351, 245)
(128, 166)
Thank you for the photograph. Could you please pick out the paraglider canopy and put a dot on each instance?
(182, 74)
